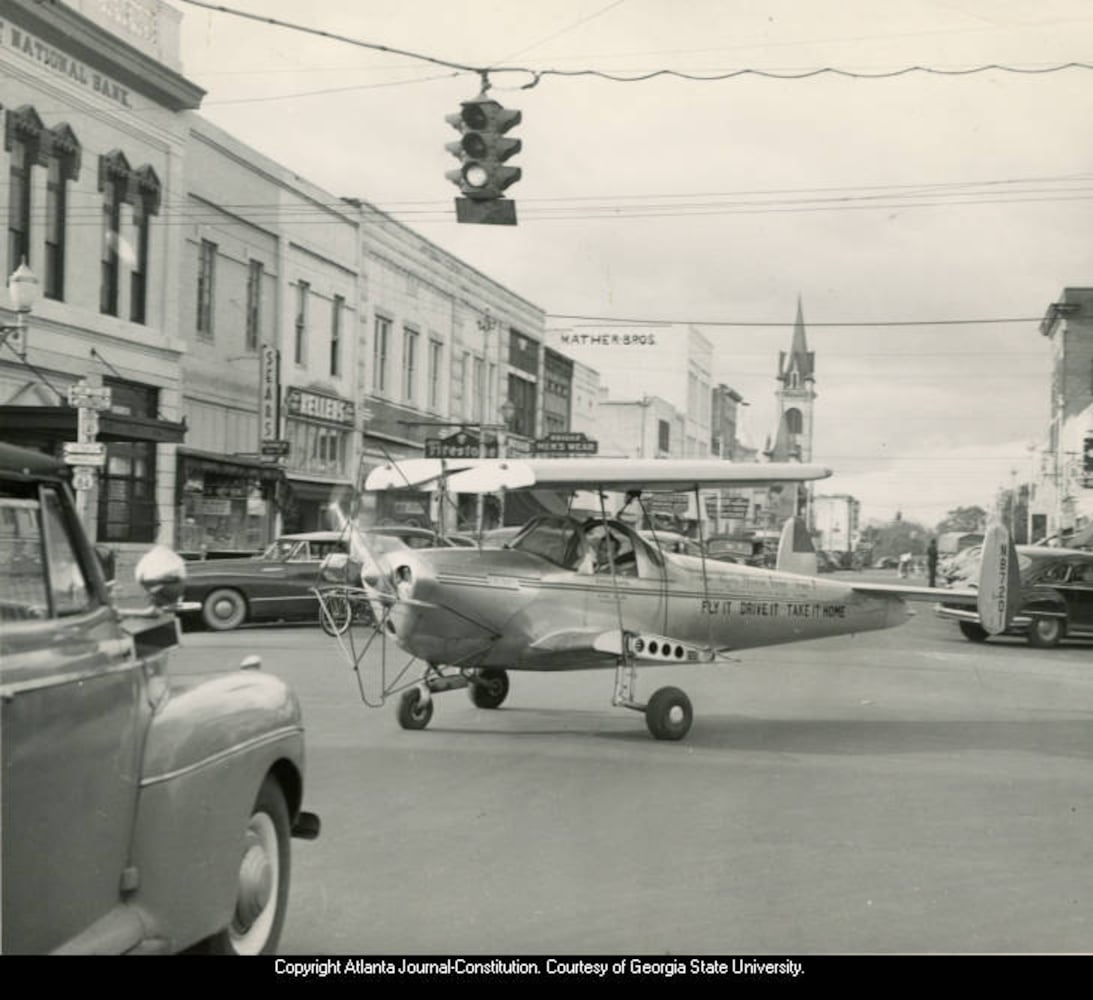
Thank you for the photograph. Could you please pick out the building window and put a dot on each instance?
(379, 354)
(25, 139)
(465, 384)
(336, 335)
(318, 449)
(436, 356)
(206, 280)
(299, 351)
(480, 390)
(127, 501)
(409, 363)
(664, 436)
(64, 165)
(114, 173)
(255, 273)
(56, 210)
(522, 397)
(145, 205)
(794, 421)
(18, 206)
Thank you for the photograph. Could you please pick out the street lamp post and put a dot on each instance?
(23, 292)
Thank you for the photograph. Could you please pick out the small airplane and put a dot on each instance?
(572, 593)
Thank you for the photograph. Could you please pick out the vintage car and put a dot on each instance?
(141, 812)
(279, 584)
(1056, 598)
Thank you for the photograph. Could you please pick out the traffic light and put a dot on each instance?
(483, 148)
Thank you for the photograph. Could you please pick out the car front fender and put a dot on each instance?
(211, 744)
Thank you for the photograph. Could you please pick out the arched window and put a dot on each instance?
(63, 166)
(795, 423)
(23, 133)
(144, 193)
(114, 175)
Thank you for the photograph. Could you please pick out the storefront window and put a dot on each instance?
(224, 512)
(317, 449)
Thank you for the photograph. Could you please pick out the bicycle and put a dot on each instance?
(340, 607)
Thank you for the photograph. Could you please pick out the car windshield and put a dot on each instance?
(282, 550)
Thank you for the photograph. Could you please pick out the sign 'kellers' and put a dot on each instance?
(313, 405)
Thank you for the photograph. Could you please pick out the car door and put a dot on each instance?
(1078, 594)
(72, 726)
(301, 574)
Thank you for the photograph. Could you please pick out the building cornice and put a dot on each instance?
(59, 25)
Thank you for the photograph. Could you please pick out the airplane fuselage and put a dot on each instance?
(511, 609)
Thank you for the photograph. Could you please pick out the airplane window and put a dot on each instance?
(554, 539)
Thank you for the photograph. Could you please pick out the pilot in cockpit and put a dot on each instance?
(607, 552)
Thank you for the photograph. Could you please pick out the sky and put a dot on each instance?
(891, 206)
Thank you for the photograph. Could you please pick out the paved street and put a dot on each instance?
(902, 791)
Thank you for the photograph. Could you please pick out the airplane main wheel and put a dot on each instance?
(973, 631)
(414, 711)
(668, 714)
(1045, 632)
(490, 689)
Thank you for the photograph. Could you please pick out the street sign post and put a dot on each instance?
(89, 453)
(91, 397)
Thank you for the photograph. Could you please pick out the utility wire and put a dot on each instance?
(538, 74)
(645, 321)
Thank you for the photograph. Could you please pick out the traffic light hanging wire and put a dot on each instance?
(538, 74)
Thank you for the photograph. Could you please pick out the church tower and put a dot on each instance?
(796, 393)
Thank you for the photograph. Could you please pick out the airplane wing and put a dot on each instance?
(675, 475)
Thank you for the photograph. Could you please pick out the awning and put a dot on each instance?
(60, 422)
(192, 460)
(316, 491)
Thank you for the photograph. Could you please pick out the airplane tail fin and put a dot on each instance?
(796, 553)
(999, 590)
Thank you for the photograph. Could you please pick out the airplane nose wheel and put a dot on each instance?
(668, 714)
(414, 709)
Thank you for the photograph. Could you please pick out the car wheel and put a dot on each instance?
(262, 886)
(973, 631)
(1046, 632)
(224, 609)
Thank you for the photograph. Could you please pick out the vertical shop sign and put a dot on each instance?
(269, 395)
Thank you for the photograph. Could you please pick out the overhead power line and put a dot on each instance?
(646, 321)
(537, 74)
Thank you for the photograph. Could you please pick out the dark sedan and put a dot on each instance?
(1056, 598)
(277, 585)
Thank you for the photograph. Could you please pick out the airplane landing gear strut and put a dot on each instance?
(668, 714)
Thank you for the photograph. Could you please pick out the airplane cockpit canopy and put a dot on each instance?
(577, 546)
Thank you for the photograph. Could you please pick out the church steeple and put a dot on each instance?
(797, 391)
(798, 365)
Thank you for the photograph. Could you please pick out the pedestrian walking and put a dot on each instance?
(931, 561)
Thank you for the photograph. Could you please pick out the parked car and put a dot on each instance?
(1056, 598)
(277, 585)
(672, 541)
(141, 812)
